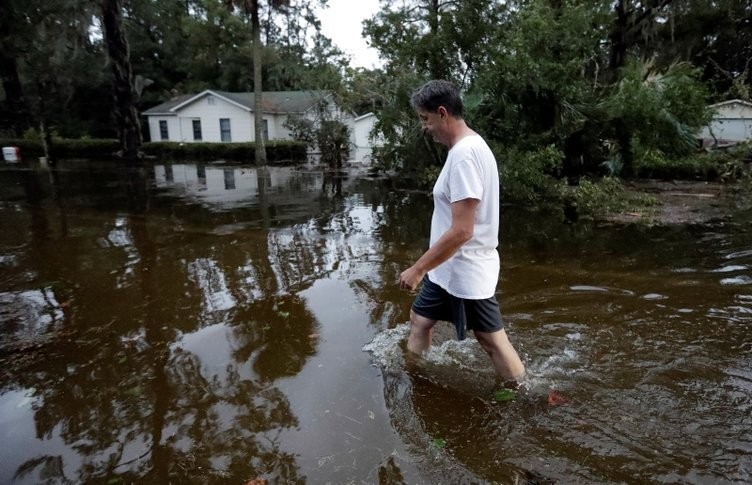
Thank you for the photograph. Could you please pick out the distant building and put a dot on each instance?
(222, 117)
(219, 116)
(731, 124)
(361, 138)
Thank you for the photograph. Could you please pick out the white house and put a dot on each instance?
(220, 116)
(732, 123)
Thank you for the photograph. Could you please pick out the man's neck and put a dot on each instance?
(459, 130)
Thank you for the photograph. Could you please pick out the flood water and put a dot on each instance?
(190, 323)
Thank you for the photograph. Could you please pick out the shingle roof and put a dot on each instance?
(271, 101)
(165, 108)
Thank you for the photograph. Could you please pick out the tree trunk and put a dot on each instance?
(617, 60)
(258, 116)
(44, 135)
(437, 62)
(624, 137)
(126, 116)
(14, 98)
(618, 36)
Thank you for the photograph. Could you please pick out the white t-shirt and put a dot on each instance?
(470, 171)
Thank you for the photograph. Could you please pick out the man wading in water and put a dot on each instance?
(460, 269)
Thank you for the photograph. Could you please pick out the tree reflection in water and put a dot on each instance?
(126, 394)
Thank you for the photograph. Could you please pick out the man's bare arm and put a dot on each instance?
(461, 230)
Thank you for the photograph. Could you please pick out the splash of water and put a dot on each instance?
(463, 364)
(388, 353)
(385, 348)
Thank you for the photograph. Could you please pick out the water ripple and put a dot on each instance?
(730, 268)
(739, 254)
(737, 280)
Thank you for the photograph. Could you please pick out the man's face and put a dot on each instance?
(432, 122)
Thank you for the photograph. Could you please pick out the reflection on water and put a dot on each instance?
(204, 323)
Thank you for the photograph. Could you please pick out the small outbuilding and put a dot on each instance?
(731, 124)
(362, 143)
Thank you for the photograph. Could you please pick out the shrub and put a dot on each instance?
(728, 165)
(527, 176)
(30, 148)
(333, 139)
(276, 151)
(596, 199)
(105, 149)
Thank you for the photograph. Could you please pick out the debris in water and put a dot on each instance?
(555, 398)
(438, 444)
(504, 395)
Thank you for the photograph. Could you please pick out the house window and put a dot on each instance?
(224, 129)
(197, 130)
(163, 133)
(210, 100)
(265, 129)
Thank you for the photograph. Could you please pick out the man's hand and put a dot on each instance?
(411, 278)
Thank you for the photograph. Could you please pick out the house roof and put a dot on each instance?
(271, 101)
(731, 102)
(370, 114)
(166, 108)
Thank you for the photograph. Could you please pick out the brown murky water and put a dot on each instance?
(206, 324)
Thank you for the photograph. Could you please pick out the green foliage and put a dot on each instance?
(93, 149)
(653, 163)
(32, 134)
(438, 444)
(405, 148)
(428, 176)
(301, 129)
(715, 36)
(734, 164)
(330, 136)
(527, 176)
(594, 199)
(502, 395)
(661, 108)
(30, 148)
(729, 165)
(62, 148)
(190, 46)
(184, 48)
(543, 77)
(47, 48)
(333, 139)
(104, 149)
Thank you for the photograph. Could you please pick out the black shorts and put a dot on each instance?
(433, 302)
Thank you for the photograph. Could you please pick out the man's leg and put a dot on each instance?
(505, 360)
(421, 333)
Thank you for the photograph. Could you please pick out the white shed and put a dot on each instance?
(362, 143)
(732, 123)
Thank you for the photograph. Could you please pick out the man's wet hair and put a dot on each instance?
(435, 93)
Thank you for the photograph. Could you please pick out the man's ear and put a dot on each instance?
(442, 111)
